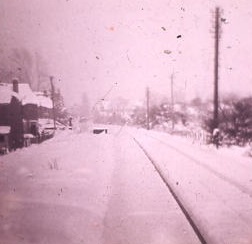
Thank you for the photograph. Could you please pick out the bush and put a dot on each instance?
(235, 121)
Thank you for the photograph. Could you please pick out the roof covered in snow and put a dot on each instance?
(26, 94)
(43, 101)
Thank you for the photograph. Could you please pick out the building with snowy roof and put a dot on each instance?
(45, 105)
(37, 107)
(11, 126)
(29, 104)
(20, 111)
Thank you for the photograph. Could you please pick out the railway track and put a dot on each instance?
(182, 207)
(229, 198)
(210, 169)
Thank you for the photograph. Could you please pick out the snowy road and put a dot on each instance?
(103, 189)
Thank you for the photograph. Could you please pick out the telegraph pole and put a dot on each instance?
(148, 108)
(172, 102)
(216, 132)
(216, 68)
(53, 102)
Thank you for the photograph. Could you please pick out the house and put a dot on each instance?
(21, 113)
(36, 114)
(11, 124)
(30, 117)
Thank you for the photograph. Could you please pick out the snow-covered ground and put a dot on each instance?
(80, 187)
(215, 185)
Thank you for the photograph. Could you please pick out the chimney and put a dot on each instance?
(15, 85)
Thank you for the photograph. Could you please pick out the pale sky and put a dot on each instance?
(94, 45)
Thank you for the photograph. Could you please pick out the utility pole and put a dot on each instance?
(148, 108)
(216, 68)
(172, 102)
(53, 102)
(216, 78)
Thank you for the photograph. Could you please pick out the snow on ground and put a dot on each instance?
(79, 187)
(231, 162)
(46, 188)
(141, 210)
(108, 176)
(215, 185)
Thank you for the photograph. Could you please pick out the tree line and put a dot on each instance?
(235, 117)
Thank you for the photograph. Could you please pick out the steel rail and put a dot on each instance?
(175, 196)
